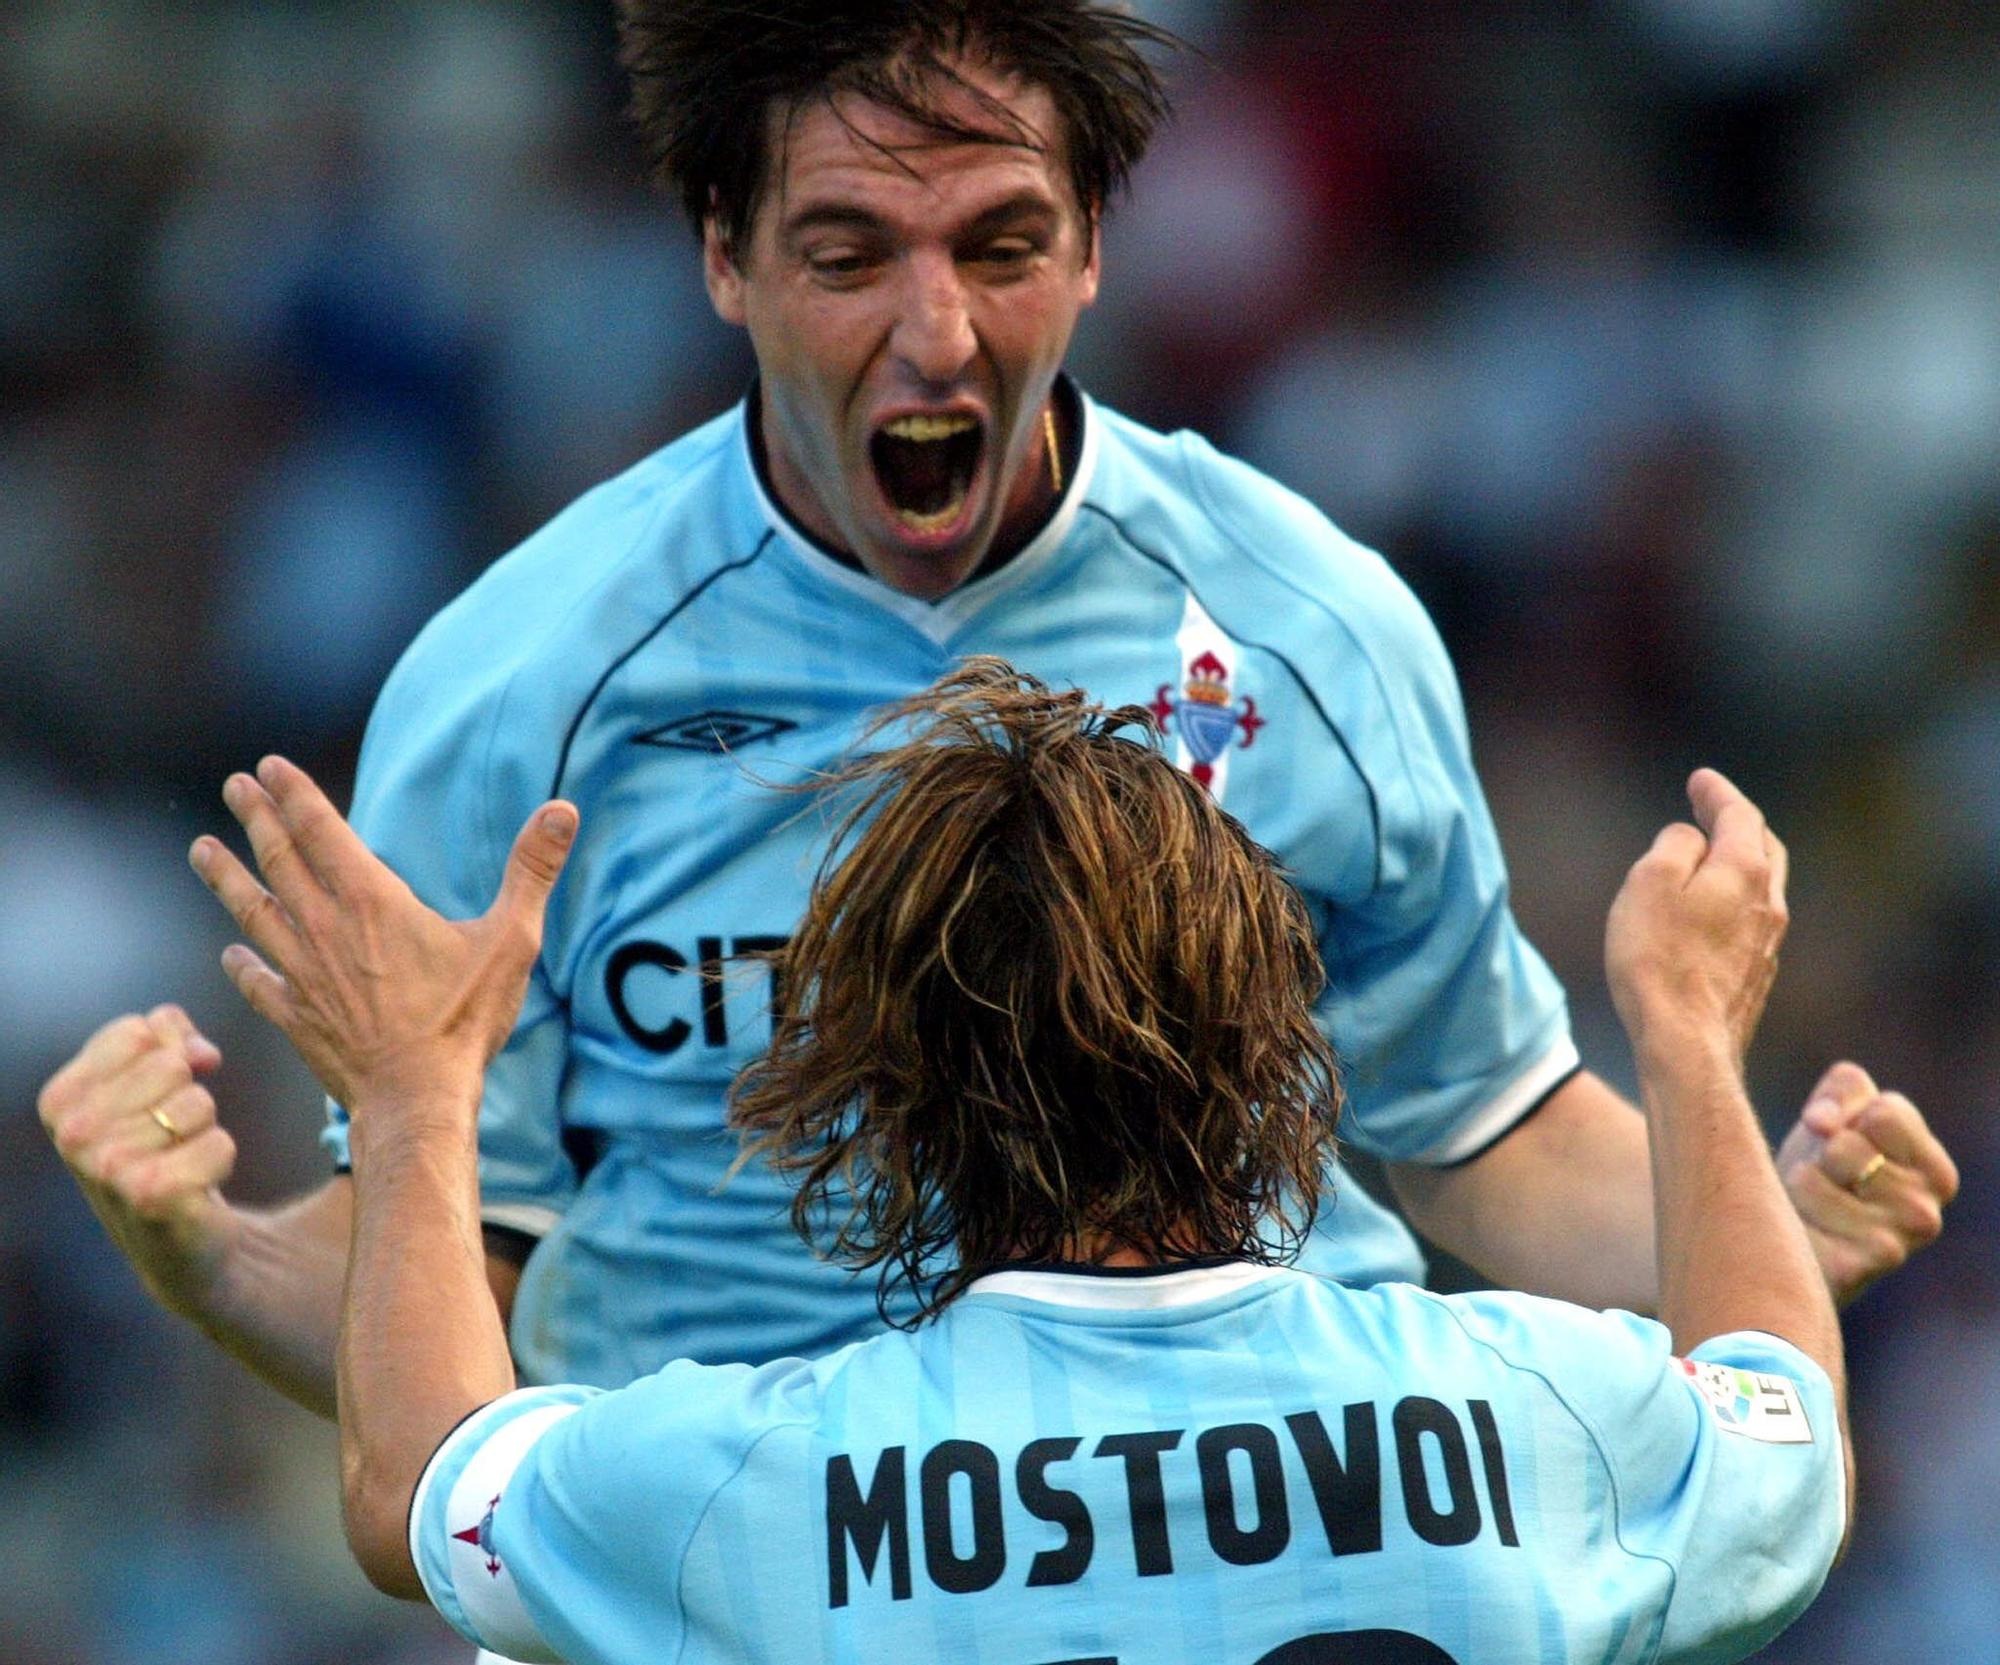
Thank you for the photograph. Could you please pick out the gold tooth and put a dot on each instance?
(929, 428)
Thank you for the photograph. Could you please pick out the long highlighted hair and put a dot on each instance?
(1052, 1001)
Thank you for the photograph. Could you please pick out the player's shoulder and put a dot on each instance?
(1594, 1366)
(1252, 547)
(616, 555)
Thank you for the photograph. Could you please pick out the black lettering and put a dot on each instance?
(768, 945)
(1495, 1462)
(1359, 1647)
(1145, 1496)
(1071, 1559)
(1266, 1540)
(1349, 1494)
(956, 1574)
(1459, 1524)
(865, 1522)
(624, 961)
(714, 1021)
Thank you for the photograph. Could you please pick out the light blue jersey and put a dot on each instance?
(672, 644)
(1229, 1465)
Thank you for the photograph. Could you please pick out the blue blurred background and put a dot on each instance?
(1656, 341)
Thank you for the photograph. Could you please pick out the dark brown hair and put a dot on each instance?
(1052, 1001)
(708, 75)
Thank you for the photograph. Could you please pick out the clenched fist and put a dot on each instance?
(138, 1130)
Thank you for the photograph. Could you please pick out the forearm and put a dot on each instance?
(1561, 1206)
(421, 1343)
(1732, 1252)
(272, 1298)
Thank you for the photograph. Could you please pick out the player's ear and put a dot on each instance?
(720, 271)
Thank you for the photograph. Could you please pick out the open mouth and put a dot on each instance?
(926, 466)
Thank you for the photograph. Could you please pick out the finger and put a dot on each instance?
(114, 1108)
(188, 1112)
(263, 990)
(110, 1049)
(1837, 1098)
(1899, 1211)
(279, 860)
(535, 864)
(176, 1029)
(1735, 826)
(173, 1117)
(318, 831)
(1827, 1205)
(154, 1186)
(1677, 850)
(1865, 1236)
(1897, 1128)
(1780, 860)
(1849, 1161)
(257, 913)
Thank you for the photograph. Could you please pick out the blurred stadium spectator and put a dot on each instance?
(1654, 340)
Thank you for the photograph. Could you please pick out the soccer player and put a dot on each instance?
(1047, 1060)
(900, 204)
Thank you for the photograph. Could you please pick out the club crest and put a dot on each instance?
(481, 1538)
(1207, 718)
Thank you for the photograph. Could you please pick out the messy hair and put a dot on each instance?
(1053, 1001)
(708, 76)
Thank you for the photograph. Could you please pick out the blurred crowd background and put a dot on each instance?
(1656, 341)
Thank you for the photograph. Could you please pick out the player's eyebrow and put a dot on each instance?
(1019, 209)
(833, 216)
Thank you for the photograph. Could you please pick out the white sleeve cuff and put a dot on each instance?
(464, 1576)
(1493, 1120)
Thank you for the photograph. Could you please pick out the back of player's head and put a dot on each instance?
(1053, 998)
(708, 76)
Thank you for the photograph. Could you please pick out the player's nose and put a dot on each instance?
(934, 335)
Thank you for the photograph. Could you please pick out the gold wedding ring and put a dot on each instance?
(1876, 1163)
(172, 1129)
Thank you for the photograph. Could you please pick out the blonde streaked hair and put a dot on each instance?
(1052, 999)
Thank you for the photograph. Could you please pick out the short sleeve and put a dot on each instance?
(1726, 1465)
(1757, 1515)
(474, 1482)
(424, 801)
(1451, 1025)
(553, 1523)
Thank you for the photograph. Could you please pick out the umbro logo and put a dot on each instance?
(715, 732)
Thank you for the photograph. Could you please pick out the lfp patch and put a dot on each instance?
(1747, 1402)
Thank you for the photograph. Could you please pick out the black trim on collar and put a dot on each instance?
(1089, 1269)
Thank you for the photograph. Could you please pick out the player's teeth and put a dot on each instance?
(929, 427)
(932, 522)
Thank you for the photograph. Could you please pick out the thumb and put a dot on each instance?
(1841, 1095)
(177, 1032)
(540, 850)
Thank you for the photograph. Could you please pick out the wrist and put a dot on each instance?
(1678, 1057)
(400, 1122)
(186, 1263)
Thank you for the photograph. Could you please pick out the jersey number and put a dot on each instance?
(1338, 1647)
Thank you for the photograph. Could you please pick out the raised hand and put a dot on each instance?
(138, 1130)
(385, 1000)
(1868, 1177)
(1691, 947)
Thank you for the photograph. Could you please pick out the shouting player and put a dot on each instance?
(901, 203)
(1047, 1058)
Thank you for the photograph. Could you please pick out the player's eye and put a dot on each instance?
(1007, 253)
(838, 266)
